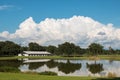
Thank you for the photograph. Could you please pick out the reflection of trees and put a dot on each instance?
(35, 65)
(64, 67)
(10, 63)
(51, 63)
(68, 67)
(95, 68)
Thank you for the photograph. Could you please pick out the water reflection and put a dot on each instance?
(35, 65)
(66, 67)
(95, 68)
(51, 64)
(7, 65)
(10, 63)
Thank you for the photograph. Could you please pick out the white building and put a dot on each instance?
(34, 53)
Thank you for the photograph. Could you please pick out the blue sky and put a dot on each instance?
(13, 12)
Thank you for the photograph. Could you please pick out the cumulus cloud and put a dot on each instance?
(77, 29)
(3, 7)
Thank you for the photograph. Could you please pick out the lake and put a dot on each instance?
(66, 67)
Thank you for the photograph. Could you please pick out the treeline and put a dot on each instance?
(8, 48)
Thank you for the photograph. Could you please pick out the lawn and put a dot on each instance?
(107, 57)
(23, 76)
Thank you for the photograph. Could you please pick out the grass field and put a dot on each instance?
(22, 76)
(107, 57)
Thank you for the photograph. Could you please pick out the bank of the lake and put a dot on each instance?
(104, 57)
(23, 76)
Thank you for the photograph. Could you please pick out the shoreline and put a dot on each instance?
(99, 57)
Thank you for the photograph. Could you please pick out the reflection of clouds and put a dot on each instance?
(61, 61)
(24, 67)
(113, 67)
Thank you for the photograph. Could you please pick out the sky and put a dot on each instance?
(69, 19)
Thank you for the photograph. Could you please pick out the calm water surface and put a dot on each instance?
(66, 67)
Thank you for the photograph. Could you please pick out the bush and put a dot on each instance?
(8, 69)
(48, 73)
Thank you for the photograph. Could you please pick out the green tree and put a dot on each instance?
(36, 47)
(51, 49)
(1, 46)
(69, 49)
(66, 48)
(10, 48)
(95, 48)
(24, 48)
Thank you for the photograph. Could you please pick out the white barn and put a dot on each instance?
(34, 53)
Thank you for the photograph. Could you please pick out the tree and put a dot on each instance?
(66, 48)
(78, 50)
(9, 48)
(95, 48)
(1, 46)
(51, 49)
(35, 47)
(24, 48)
(69, 49)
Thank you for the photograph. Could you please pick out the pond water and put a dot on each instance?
(66, 67)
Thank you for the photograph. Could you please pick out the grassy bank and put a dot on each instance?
(21, 76)
(24, 76)
(107, 57)
(41, 57)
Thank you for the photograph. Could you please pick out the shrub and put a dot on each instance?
(48, 73)
(8, 69)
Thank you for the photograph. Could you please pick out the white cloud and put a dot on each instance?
(3, 7)
(78, 29)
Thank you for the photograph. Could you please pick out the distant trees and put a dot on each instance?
(95, 48)
(69, 49)
(8, 48)
(52, 49)
(36, 47)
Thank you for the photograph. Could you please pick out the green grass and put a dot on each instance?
(23, 76)
(41, 57)
(110, 57)
(107, 57)
(32, 76)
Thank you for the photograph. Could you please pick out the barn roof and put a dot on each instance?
(36, 52)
